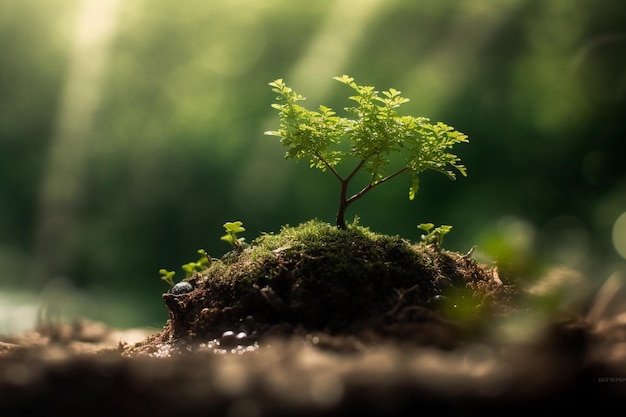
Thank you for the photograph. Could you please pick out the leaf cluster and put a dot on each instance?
(373, 132)
(434, 235)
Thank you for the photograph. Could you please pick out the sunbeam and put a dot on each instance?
(61, 188)
(330, 50)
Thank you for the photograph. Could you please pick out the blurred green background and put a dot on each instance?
(130, 131)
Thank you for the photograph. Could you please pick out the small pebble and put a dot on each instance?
(181, 288)
(228, 339)
(231, 339)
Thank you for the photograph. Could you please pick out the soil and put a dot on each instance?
(315, 277)
(320, 322)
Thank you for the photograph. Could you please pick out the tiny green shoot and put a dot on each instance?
(434, 235)
(232, 230)
(167, 276)
(202, 263)
(190, 268)
(205, 261)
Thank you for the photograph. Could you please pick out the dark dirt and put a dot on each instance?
(406, 307)
(575, 363)
(317, 278)
(264, 336)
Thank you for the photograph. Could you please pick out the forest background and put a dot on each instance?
(131, 131)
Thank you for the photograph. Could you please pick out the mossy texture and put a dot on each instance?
(317, 277)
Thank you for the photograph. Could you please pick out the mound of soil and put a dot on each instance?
(316, 277)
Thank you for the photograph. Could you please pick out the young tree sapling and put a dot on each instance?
(374, 131)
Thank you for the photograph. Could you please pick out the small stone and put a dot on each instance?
(241, 338)
(181, 288)
(228, 339)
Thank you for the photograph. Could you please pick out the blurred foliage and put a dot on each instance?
(126, 143)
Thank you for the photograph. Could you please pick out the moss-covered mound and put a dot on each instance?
(316, 277)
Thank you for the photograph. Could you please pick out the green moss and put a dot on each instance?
(321, 250)
(318, 276)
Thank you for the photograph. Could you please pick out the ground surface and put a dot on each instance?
(332, 324)
(79, 369)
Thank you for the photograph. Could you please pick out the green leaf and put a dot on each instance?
(234, 227)
(426, 226)
(415, 184)
(167, 276)
(228, 238)
(345, 79)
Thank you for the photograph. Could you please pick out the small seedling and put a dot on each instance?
(167, 276)
(232, 230)
(202, 263)
(190, 268)
(434, 235)
(375, 131)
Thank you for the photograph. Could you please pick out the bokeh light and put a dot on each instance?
(619, 235)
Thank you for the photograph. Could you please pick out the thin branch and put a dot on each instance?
(387, 178)
(360, 194)
(371, 185)
(329, 166)
(355, 170)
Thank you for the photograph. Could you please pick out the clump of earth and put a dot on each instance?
(318, 278)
